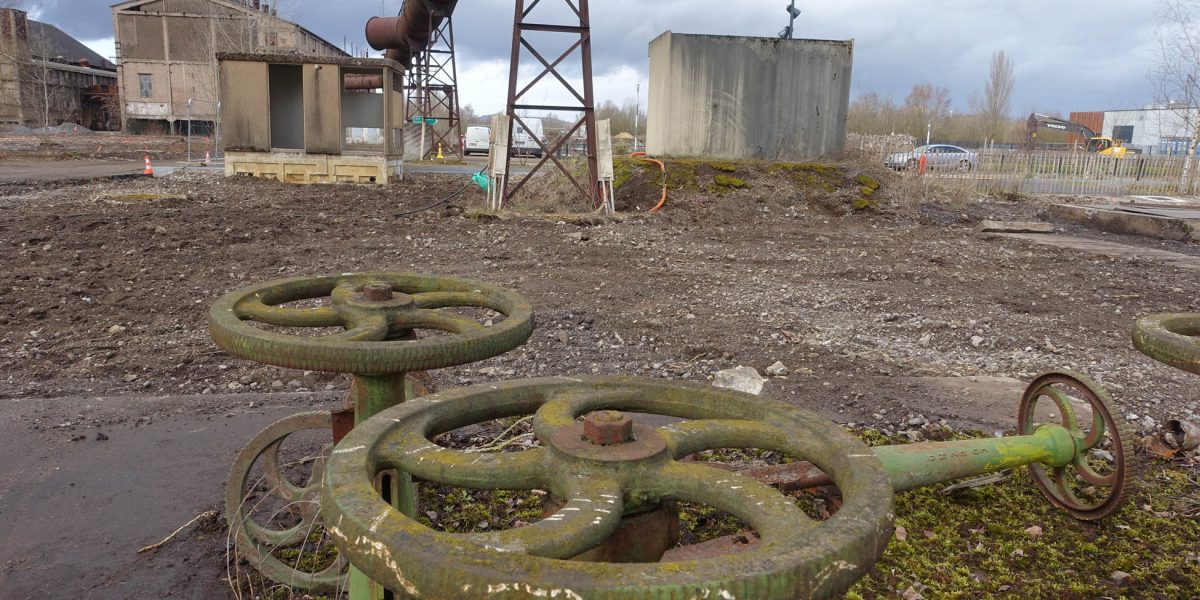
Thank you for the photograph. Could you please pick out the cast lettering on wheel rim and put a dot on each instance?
(1172, 339)
(1056, 482)
(797, 558)
(370, 342)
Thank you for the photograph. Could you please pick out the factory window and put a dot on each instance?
(1123, 133)
(1174, 146)
(145, 85)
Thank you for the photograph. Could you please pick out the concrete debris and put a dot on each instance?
(778, 369)
(1014, 227)
(741, 378)
(1184, 435)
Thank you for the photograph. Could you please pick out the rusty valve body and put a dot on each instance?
(607, 428)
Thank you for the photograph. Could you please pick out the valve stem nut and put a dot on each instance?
(377, 291)
(607, 427)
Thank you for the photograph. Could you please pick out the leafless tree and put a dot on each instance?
(926, 106)
(44, 91)
(1176, 75)
(996, 103)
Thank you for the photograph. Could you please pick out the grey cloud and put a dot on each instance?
(1069, 56)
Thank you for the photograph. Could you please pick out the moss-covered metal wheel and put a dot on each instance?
(1172, 339)
(599, 470)
(1093, 484)
(258, 544)
(377, 313)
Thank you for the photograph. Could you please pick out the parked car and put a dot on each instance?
(937, 156)
(477, 139)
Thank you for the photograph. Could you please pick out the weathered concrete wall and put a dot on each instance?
(746, 97)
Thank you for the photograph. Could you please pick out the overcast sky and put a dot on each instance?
(1068, 56)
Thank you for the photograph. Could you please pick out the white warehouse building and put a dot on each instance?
(1155, 129)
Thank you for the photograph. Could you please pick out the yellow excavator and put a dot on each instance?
(1096, 144)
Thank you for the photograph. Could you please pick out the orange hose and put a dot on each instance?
(642, 157)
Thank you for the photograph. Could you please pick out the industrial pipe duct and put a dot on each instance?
(404, 35)
(362, 81)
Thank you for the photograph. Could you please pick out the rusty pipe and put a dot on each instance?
(362, 81)
(409, 32)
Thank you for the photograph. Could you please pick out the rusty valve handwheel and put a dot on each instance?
(254, 542)
(600, 471)
(377, 311)
(1093, 485)
(1173, 339)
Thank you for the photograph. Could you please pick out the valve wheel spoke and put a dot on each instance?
(448, 299)
(1090, 475)
(282, 316)
(423, 318)
(773, 515)
(592, 511)
(690, 437)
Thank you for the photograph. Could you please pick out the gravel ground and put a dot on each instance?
(108, 297)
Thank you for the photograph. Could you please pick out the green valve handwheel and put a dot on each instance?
(598, 470)
(274, 522)
(1172, 339)
(376, 313)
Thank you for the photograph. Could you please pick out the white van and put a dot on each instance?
(478, 139)
(525, 142)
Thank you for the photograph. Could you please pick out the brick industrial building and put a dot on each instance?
(167, 54)
(48, 78)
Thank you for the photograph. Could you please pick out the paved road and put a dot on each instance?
(18, 170)
(74, 513)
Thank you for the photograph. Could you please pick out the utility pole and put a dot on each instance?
(793, 12)
(637, 113)
(576, 31)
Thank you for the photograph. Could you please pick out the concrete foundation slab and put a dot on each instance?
(1156, 221)
(1183, 261)
(315, 168)
(75, 513)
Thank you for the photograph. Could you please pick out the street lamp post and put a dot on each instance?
(637, 113)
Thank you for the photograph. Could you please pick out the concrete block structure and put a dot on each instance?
(48, 78)
(734, 97)
(167, 53)
(312, 119)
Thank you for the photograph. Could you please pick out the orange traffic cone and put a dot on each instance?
(149, 168)
(207, 157)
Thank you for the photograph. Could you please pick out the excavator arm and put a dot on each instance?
(1037, 121)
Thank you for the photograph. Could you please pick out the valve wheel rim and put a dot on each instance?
(1055, 483)
(369, 343)
(1170, 338)
(812, 560)
(254, 541)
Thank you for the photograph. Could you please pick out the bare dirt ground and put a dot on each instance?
(871, 311)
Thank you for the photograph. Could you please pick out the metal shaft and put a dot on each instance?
(911, 466)
(917, 465)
